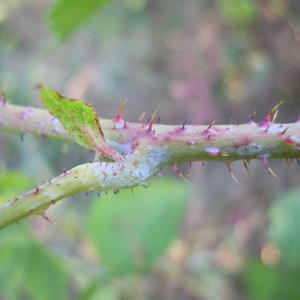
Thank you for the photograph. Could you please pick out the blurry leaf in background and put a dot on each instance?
(26, 266)
(263, 282)
(285, 225)
(13, 254)
(13, 183)
(260, 280)
(108, 292)
(48, 278)
(136, 5)
(131, 230)
(238, 12)
(66, 16)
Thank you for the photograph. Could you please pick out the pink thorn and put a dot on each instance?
(118, 120)
(271, 117)
(210, 132)
(151, 120)
(150, 126)
(266, 121)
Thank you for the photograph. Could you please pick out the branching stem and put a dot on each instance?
(146, 148)
(94, 176)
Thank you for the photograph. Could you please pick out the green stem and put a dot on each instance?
(94, 176)
(145, 148)
(183, 143)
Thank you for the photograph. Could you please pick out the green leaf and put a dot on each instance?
(47, 278)
(28, 267)
(25, 265)
(109, 292)
(238, 12)
(13, 256)
(66, 16)
(263, 282)
(284, 226)
(13, 183)
(80, 120)
(131, 230)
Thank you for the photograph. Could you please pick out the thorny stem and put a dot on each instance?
(183, 143)
(94, 176)
(140, 144)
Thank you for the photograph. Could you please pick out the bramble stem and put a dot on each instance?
(183, 143)
(94, 176)
(145, 148)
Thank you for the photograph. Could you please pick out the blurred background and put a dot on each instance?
(195, 60)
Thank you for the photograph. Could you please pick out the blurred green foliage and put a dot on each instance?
(66, 16)
(130, 230)
(271, 283)
(133, 229)
(284, 227)
(108, 292)
(26, 266)
(238, 12)
(280, 281)
(13, 183)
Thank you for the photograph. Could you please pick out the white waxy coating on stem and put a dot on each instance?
(134, 170)
(152, 149)
(97, 176)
